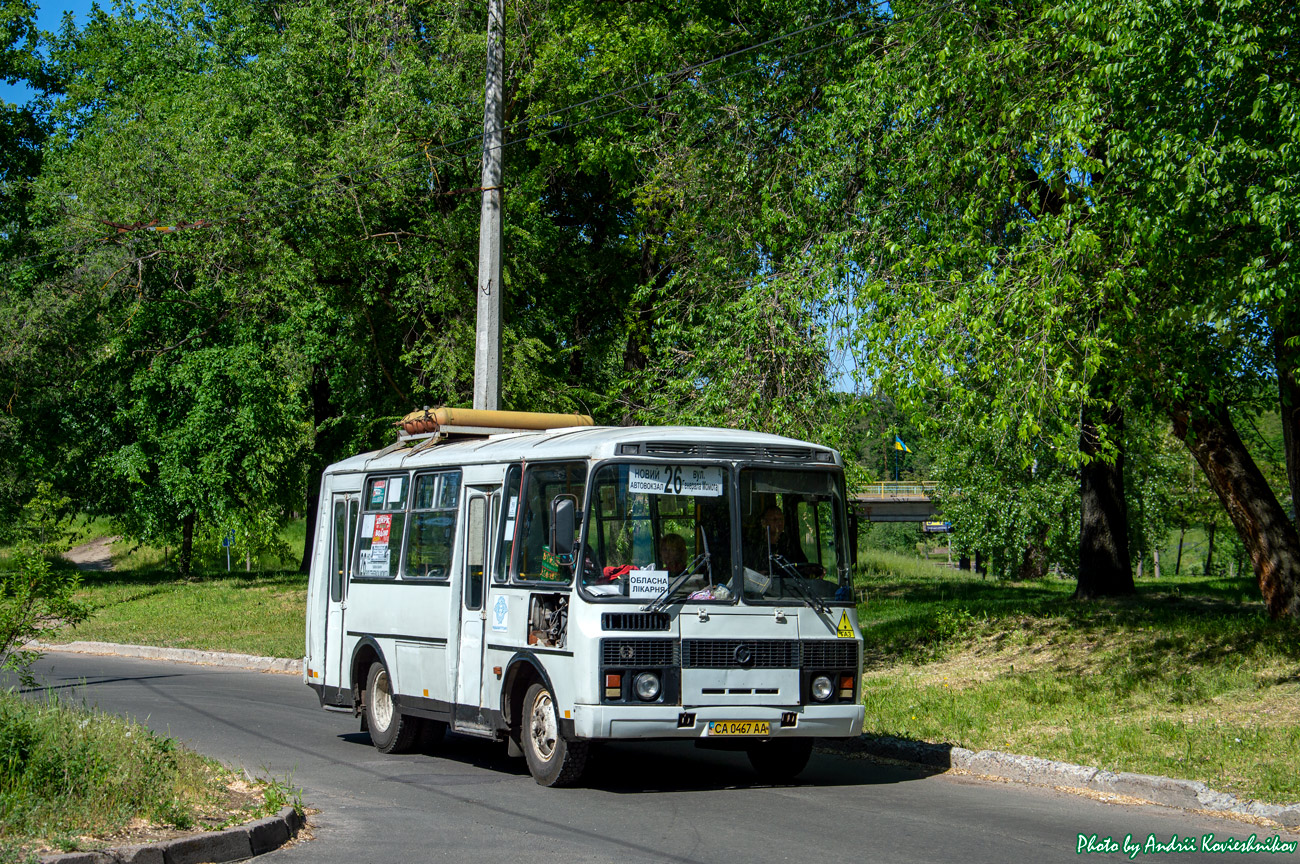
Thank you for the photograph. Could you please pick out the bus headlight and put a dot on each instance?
(822, 688)
(646, 686)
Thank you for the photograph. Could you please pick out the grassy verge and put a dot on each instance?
(1187, 679)
(75, 779)
(250, 613)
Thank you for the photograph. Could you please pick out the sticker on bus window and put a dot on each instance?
(368, 525)
(383, 527)
(374, 561)
(646, 584)
(377, 493)
(394, 492)
(675, 480)
(510, 531)
(514, 505)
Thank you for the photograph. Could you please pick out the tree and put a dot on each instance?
(1061, 211)
(36, 595)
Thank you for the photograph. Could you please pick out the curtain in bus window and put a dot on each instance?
(533, 558)
(383, 522)
(433, 526)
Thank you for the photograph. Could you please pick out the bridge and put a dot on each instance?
(895, 502)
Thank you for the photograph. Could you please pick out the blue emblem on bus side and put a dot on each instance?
(499, 610)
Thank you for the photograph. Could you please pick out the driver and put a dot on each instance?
(771, 535)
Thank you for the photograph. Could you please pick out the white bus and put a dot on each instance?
(565, 584)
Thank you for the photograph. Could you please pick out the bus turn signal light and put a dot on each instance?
(613, 686)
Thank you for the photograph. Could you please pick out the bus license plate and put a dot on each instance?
(739, 727)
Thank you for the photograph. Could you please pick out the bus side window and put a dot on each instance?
(433, 526)
(542, 483)
(509, 519)
(383, 522)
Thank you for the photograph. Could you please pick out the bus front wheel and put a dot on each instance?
(552, 760)
(390, 730)
(780, 759)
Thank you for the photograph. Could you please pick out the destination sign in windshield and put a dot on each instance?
(675, 480)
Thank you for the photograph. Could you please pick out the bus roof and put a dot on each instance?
(597, 442)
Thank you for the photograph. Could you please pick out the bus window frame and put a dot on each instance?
(732, 485)
(843, 491)
(361, 518)
(512, 561)
(411, 511)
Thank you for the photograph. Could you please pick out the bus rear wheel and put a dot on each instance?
(390, 730)
(552, 760)
(780, 759)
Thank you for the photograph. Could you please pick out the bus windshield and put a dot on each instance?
(652, 528)
(794, 537)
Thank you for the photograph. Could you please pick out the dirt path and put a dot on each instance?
(95, 555)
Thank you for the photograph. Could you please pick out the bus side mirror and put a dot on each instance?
(853, 537)
(564, 510)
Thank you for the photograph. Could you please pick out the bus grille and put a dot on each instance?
(638, 652)
(740, 654)
(830, 654)
(642, 621)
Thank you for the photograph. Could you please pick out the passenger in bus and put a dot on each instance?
(672, 554)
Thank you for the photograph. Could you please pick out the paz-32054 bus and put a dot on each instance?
(534, 578)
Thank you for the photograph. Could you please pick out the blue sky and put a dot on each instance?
(49, 18)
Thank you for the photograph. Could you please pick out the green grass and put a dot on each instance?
(72, 778)
(1187, 679)
(209, 555)
(250, 613)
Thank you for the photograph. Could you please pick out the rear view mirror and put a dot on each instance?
(564, 509)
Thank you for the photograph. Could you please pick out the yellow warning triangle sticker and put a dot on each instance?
(845, 630)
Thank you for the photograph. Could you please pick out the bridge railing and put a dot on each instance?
(890, 490)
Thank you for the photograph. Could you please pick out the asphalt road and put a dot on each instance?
(646, 802)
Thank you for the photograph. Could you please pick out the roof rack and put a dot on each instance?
(430, 426)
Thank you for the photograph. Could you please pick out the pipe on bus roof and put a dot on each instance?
(432, 419)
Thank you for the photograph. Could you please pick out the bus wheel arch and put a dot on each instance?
(366, 653)
(522, 672)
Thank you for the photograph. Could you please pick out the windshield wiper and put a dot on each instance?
(691, 569)
(796, 581)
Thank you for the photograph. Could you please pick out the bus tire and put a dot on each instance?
(780, 759)
(552, 760)
(390, 730)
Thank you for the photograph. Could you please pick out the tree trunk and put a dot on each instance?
(1267, 533)
(1104, 569)
(325, 445)
(314, 480)
(1288, 385)
(186, 555)
(1033, 564)
(1139, 573)
(1155, 563)
(1178, 562)
(1209, 553)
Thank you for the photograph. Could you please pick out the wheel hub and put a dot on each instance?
(381, 702)
(543, 727)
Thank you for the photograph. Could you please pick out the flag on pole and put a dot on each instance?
(899, 445)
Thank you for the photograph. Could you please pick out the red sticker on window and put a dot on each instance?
(383, 525)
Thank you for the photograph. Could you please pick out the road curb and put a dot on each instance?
(213, 847)
(278, 665)
(1166, 791)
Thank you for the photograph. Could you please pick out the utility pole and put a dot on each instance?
(487, 342)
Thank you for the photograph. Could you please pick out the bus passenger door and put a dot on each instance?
(469, 674)
(343, 527)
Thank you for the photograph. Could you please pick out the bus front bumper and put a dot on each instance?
(674, 721)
